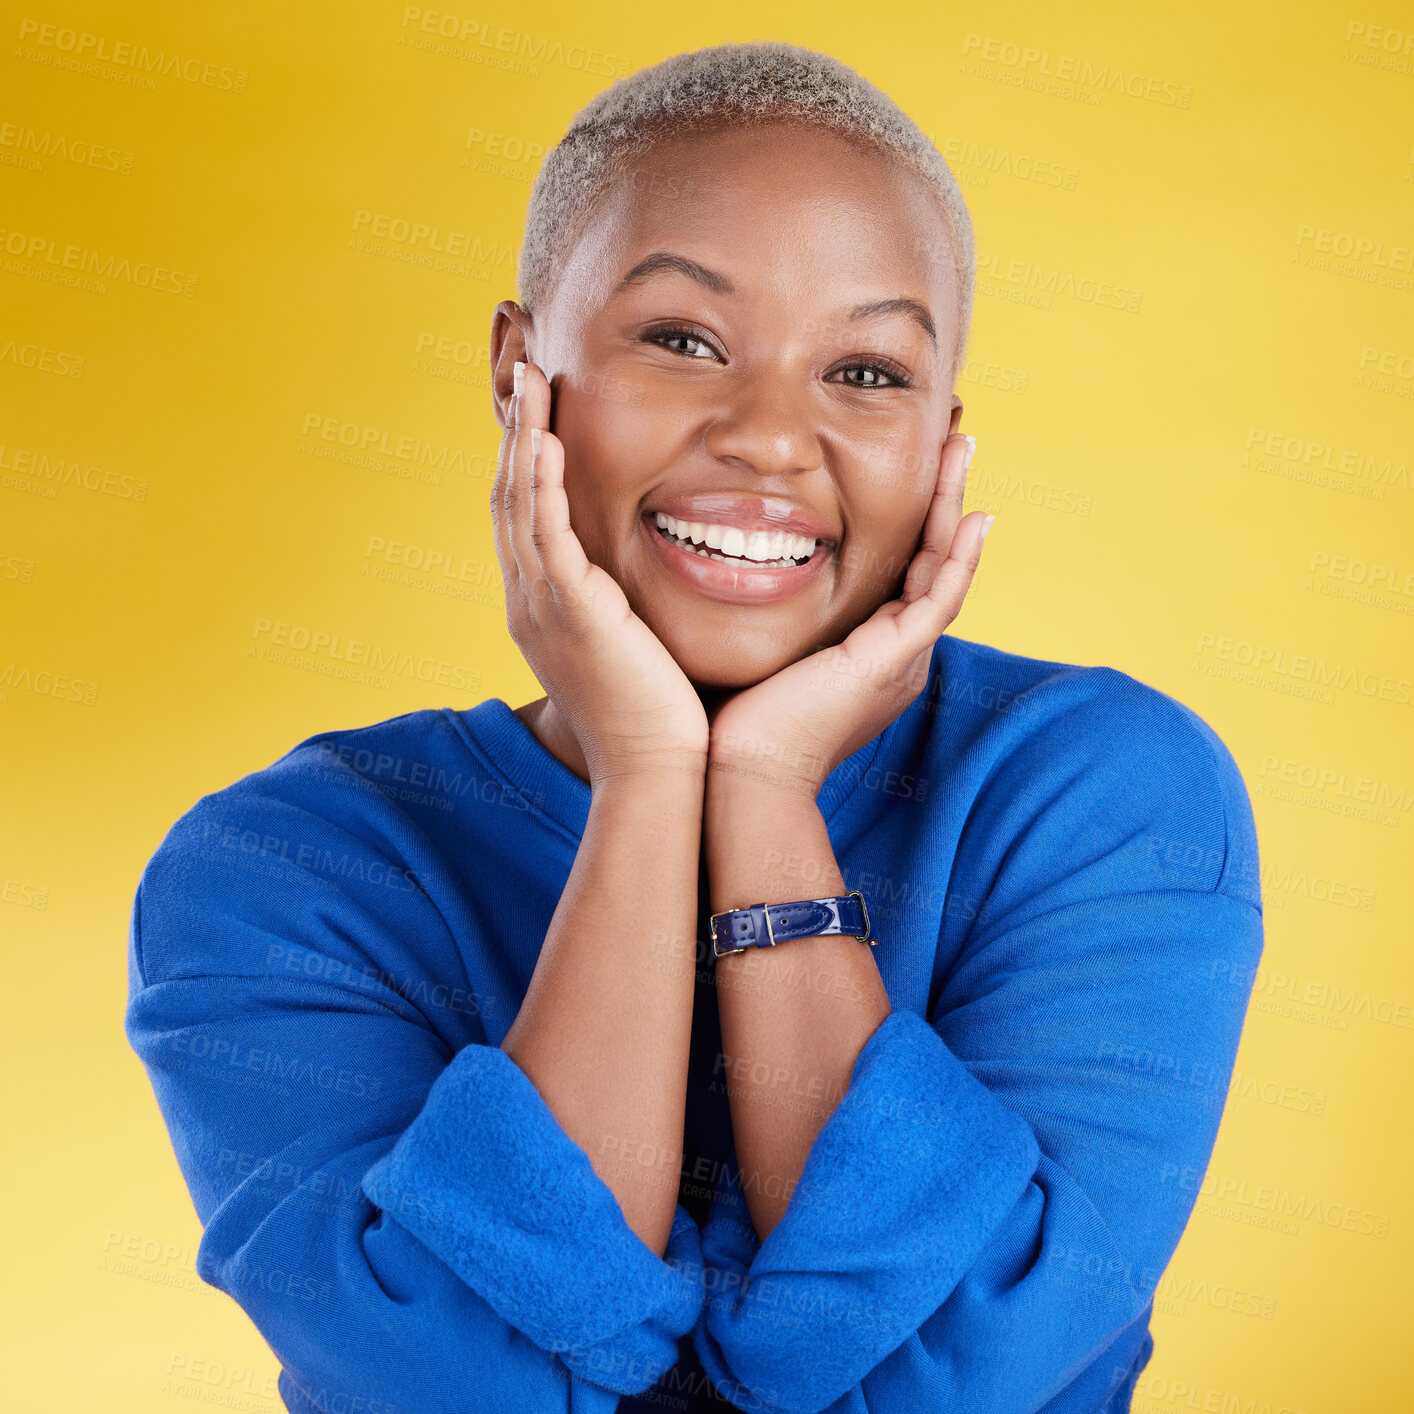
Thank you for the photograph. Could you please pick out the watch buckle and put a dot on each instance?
(770, 932)
(868, 927)
(712, 934)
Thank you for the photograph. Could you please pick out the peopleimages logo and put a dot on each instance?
(314, 858)
(41, 358)
(80, 45)
(48, 256)
(1368, 790)
(1303, 667)
(54, 470)
(30, 148)
(418, 458)
(1075, 69)
(460, 37)
(318, 644)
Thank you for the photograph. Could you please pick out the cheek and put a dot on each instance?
(617, 434)
(608, 447)
(892, 475)
(892, 455)
(892, 472)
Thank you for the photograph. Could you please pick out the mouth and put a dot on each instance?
(733, 564)
(761, 549)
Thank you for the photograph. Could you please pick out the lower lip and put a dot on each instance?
(735, 585)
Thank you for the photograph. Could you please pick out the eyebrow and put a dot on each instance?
(665, 261)
(910, 307)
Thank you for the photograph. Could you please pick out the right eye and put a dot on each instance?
(681, 341)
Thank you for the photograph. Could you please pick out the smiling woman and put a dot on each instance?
(798, 942)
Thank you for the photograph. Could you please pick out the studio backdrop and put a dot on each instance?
(248, 261)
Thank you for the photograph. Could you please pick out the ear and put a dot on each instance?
(956, 415)
(511, 332)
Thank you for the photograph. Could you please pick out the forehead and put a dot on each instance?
(784, 209)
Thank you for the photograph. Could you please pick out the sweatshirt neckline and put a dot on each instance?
(552, 788)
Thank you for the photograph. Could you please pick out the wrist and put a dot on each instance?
(682, 773)
(742, 813)
(730, 778)
(739, 756)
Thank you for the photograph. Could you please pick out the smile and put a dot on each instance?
(728, 563)
(775, 549)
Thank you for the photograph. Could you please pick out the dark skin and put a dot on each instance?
(782, 351)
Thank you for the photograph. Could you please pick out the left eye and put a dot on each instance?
(680, 341)
(869, 375)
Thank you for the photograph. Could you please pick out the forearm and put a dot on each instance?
(795, 1017)
(604, 1029)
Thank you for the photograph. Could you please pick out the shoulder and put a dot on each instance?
(1033, 704)
(316, 843)
(1090, 762)
(349, 774)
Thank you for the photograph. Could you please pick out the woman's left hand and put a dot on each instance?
(795, 727)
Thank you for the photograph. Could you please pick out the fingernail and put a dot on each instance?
(971, 452)
(518, 377)
(535, 446)
(987, 525)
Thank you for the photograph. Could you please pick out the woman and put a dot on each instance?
(511, 1112)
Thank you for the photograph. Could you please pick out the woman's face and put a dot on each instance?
(756, 333)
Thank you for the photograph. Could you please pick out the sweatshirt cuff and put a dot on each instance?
(487, 1179)
(907, 1181)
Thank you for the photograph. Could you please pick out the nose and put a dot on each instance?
(766, 425)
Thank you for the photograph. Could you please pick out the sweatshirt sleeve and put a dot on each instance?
(983, 1220)
(386, 1194)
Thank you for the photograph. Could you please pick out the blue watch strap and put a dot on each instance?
(764, 925)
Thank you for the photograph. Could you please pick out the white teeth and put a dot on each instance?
(768, 547)
(758, 546)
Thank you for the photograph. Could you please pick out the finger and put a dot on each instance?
(500, 527)
(946, 507)
(957, 479)
(929, 615)
(563, 562)
(944, 512)
(531, 413)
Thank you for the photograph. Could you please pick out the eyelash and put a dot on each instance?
(883, 366)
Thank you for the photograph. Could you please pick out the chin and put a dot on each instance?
(710, 677)
(727, 667)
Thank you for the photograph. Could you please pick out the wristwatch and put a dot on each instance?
(764, 925)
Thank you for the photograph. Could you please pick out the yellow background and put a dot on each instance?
(1160, 509)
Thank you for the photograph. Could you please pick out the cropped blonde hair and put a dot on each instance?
(727, 84)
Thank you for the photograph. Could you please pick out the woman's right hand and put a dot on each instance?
(630, 706)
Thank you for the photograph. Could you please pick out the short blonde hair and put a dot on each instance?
(735, 84)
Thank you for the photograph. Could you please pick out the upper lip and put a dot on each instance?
(746, 513)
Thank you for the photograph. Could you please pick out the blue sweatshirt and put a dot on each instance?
(324, 957)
